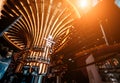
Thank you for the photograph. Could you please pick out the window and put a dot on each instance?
(117, 2)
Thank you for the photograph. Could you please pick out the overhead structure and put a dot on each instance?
(40, 28)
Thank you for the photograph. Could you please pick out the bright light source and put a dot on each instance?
(83, 3)
(1, 5)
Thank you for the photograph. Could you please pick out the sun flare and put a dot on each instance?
(83, 4)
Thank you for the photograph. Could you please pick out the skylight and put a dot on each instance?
(117, 2)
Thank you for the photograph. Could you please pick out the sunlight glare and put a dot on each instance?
(83, 4)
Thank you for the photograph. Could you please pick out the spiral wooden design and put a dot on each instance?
(41, 26)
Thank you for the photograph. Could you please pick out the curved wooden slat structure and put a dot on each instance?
(38, 26)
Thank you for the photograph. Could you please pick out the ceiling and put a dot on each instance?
(85, 32)
(87, 36)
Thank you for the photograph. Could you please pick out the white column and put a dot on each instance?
(93, 74)
(57, 79)
(40, 78)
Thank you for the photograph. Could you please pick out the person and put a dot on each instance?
(9, 54)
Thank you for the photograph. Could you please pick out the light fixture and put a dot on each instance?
(83, 4)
